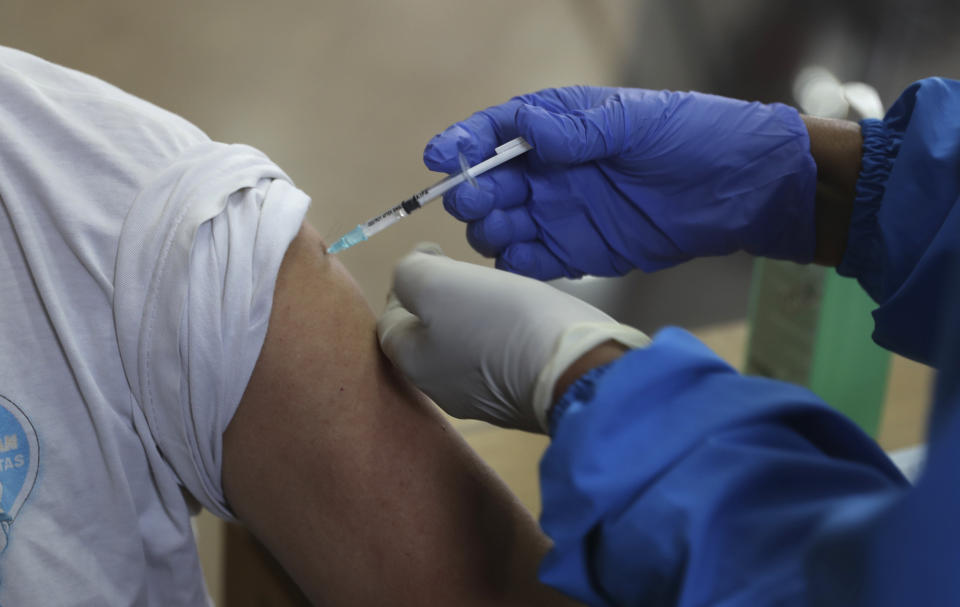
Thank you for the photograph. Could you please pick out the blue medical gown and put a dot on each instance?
(674, 480)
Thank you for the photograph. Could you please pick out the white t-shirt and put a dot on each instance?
(137, 266)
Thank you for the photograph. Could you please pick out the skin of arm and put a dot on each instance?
(352, 478)
(836, 147)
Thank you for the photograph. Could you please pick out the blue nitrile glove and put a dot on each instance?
(624, 178)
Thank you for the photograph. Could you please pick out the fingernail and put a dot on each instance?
(430, 248)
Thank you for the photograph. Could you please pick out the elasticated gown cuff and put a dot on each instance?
(864, 254)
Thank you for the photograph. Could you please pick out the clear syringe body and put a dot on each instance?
(503, 153)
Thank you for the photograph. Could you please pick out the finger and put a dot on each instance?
(501, 188)
(576, 136)
(533, 259)
(441, 153)
(423, 281)
(401, 335)
(502, 227)
(476, 137)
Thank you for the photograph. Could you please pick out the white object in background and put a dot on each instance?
(819, 93)
(910, 461)
(863, 99)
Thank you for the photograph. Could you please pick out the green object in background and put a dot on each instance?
(810, 326)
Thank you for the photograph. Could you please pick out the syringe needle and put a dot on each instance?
(503, 153)
(349, 239)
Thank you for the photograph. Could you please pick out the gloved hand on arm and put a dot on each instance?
(623, 178)
(486, 344)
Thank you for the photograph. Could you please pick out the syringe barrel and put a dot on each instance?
(384, 220)
(411, 204)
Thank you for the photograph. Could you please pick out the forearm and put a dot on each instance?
(836, 148)
(352, 479)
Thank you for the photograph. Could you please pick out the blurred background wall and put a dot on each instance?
(344, 94)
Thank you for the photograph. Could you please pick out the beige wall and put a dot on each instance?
(343, 95)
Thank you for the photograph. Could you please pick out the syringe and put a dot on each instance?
(505, 152)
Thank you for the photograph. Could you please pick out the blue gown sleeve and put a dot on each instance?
(674, 480)
(903, 239)
(678, 481)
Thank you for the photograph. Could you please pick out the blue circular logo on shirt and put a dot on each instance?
(19, 449)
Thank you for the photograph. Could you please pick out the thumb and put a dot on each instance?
(574, 137)
(424, 281)
(400, 334)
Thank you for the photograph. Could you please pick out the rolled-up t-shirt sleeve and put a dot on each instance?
(196, 267)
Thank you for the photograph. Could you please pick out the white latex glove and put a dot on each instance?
(485, 344)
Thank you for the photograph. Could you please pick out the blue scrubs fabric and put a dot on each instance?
(905, 232)
(674, 480)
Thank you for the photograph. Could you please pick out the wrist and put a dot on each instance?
(581, 347)
(836, 147)
(598, 356)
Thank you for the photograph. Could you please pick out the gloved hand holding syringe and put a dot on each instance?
(505, 152)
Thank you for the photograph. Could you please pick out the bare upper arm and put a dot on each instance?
(351, 478)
